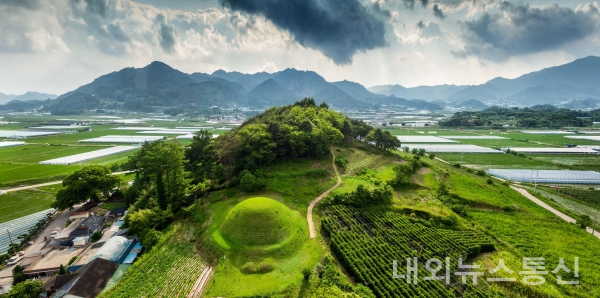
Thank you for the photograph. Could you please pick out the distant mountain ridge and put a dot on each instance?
(5, 98)
(578, 80)
(158, 85)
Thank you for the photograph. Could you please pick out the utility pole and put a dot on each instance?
(11, 242)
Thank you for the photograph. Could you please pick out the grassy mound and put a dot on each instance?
(258, 222)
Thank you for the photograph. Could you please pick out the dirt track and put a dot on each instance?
(311, 224)
(547, 207)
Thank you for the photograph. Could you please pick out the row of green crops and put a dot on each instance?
(170, 272)
(367, 243)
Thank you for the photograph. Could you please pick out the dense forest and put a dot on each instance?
(545, 116)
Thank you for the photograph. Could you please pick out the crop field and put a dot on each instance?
(36, 153)
(21, 203)
(574, 207)
(367, 242)
(31, 173)
(171, 271)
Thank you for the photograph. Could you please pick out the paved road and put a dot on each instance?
(547, 207)
(311, 224)
(46, 184)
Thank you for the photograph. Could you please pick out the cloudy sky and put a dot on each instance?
(55, 46)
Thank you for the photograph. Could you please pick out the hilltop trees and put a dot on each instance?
(159, 166)
(202, 157)
(300, 130)
(384, 140)
(91, 182)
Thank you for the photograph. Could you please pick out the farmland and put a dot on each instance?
(21, 203)
(365, 242)
(170, 271)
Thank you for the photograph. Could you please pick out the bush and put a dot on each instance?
(254, 268)
(151, 238)
(431, 156)
(480, 172)
(72, 260)
(250, 183)
(306, 272)
(341, 162)
(489, 181)
(96, 236)
(456, 165)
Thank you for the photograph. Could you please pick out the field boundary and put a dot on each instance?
(311, 224)
(565, 217)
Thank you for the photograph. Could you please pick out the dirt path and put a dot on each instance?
(45, 184)
(547, 207)
(200, 285)
(311, 224)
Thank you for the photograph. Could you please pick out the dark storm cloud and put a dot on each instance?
(376, 7)
(522, 29)
(437, 11)
(337, 28)
(97, 6)
(410, 4)
(168, 37)
(420, 24)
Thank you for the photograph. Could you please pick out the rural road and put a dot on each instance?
(311, 224)
(45, 184)
(556, 212)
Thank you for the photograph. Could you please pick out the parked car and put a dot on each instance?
(54, 233)
(15, 259)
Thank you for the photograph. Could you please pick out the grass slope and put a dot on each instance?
(258, 222)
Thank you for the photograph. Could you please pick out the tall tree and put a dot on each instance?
(91, 182)
(201, 155)
(26, 289)
(161, 165)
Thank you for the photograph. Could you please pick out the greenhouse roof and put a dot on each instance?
(548, 176)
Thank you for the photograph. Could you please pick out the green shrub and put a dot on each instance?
(480, 172)
(96, 236)
(489, 181)
(341, 162)
(456, 165)
(431, 156)
(260, 268)
(249, 182)
(72, 260)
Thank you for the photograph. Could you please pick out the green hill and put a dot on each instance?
(258, 222)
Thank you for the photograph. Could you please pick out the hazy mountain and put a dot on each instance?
(269, 93)
(5, 98)
(471, 104)
(577, 80)
(301, 83)
(430, 93)
(358, 91)
(249, 81)
(336, 98)
(589, 103)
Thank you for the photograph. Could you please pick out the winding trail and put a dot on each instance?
(526, 194)
(311, 224)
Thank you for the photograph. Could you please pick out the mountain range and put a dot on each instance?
(4, 98)
(159, 86)
(575, 81)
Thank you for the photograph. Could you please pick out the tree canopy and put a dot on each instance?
(91, 182)
(159, 166)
